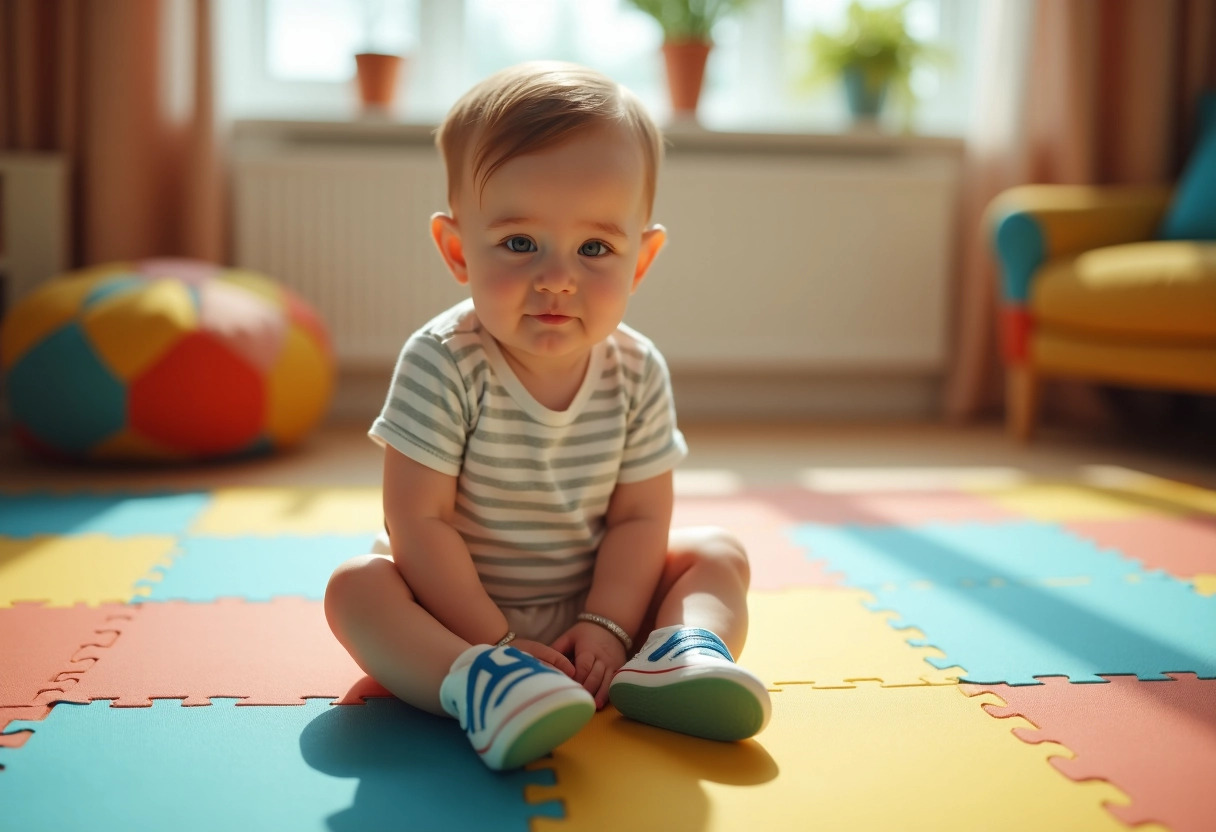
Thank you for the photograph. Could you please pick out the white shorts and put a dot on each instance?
(536, 622)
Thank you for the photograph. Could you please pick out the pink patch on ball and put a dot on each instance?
(304, 316)
(193, 272)
(250, 325)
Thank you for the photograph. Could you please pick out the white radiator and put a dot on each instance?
(806, 261)
(802, 262)
(348, 230)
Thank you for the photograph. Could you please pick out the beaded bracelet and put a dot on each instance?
(609, 625)
(505, 640)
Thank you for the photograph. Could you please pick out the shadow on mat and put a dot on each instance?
(116, 513)
(996, 626)
(415, 771)
(621, 774)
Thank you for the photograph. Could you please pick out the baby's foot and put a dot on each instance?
(514, 707)
(686, 680)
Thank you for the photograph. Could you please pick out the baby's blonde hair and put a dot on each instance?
(534, 106)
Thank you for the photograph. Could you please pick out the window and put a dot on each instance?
(313, 40)
(294, 58)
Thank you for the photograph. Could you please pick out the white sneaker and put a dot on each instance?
(514, 707)
(685, 679)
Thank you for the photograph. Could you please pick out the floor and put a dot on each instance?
(991, 576)
(745, 453)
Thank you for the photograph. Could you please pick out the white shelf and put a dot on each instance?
(681, 138)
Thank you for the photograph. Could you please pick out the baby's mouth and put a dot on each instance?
(552, 318)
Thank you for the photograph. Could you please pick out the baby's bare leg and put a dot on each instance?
(704, 584)
(684, 679)
(393, 639)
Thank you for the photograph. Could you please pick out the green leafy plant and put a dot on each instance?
(876, 44)
(685, 20)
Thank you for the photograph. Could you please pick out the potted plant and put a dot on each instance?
(377, 71)
(872, 55)
(687, 40)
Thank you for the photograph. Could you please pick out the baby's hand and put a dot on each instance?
(598, 655)
(546, 654)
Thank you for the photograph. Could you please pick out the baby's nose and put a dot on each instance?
(555, 275)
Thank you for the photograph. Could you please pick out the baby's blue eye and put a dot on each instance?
(520, 245)
(593, 248)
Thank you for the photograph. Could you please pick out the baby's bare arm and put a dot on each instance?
(627, 571)
(634, 549)
(419, 504)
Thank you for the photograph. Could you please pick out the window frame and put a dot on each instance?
(248, 92)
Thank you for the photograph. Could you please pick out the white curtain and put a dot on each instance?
(996, 138)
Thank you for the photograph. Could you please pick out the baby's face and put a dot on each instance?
(552, 246)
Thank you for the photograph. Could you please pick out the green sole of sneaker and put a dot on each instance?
(547, 734)
(717, 709)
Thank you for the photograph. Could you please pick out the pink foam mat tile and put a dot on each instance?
(762, 518)
(25, 713)
(41, 646)
(278, 652)
(776, 561)
(16, 738)
(1155, 740)
(1182, 545)
(886, 508)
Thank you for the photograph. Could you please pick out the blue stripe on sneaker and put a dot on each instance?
(498, 674)
(692, 638)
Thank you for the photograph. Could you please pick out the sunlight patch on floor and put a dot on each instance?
(856, 480)
(707, 482)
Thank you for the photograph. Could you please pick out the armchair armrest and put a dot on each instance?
(1032, 224)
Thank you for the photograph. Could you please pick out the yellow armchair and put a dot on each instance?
(1087, 293)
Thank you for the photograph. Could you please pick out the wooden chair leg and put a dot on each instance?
(1022, 401)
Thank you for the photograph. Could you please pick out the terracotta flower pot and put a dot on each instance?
(378, 76)
(685, 62)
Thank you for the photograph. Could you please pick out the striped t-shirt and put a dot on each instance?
(533, 483)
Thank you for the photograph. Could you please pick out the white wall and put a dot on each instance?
(815, 263)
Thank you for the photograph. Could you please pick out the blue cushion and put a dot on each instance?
(1192, 213)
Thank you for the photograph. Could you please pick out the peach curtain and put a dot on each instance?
(125, 89)
(1078, 92)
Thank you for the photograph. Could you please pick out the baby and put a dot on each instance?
(529, 439)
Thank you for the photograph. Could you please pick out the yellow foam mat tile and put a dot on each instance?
(89, 569)
(862, 758)
(826, 638)
(1205, 584)
(1181, 496)
(1055, 502)
(291, 511)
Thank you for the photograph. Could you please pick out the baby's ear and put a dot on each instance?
(653, 239)
(446, 233)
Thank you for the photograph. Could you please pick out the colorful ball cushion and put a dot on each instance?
(164, 359)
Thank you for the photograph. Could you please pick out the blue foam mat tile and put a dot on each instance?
(952, 553)
(1010, 634)
(378, 766)
(115, 514)
(257, 569)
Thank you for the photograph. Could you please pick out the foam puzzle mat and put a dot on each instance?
(959, 655)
